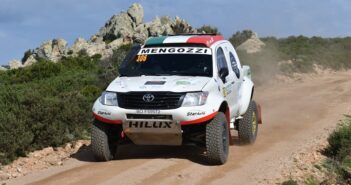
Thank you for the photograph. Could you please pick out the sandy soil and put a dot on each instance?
(296, 115)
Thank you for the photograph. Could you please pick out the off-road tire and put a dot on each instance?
(217, 140)
(248, 125)
(102, 144)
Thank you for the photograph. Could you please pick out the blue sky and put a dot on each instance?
(25, 24)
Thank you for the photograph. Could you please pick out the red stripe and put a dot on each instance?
(208, 40)
(102, 119)
(200, 120)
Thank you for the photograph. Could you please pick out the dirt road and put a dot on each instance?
(295, 116)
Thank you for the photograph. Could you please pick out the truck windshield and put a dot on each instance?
(168, 61)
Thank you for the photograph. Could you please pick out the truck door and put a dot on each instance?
(228, 80)
(237, 78)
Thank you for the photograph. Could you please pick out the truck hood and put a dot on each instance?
(158, 83)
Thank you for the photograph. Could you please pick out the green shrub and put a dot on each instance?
(290, 182)
(240, 37)
(340, 141)
(208, 29)
(47, 104)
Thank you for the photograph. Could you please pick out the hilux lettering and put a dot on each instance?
(150, 124)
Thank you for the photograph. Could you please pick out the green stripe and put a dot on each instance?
(155, 40)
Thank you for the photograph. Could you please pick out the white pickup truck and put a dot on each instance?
(178, 90)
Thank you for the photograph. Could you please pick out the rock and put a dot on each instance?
(47, 151)
(52, 50)
(79, 45)
(252, 45)
(68, 147)
(15, 64)
(116, 43)
(136, 12)
(4, 177)
(118, 26)
(155, 27)
(30, 61)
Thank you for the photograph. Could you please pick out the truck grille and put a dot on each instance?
(161, 100)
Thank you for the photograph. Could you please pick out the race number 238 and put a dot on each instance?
(141, 58)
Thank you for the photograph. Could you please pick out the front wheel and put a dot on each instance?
(248, 125)
(217, 140)
(102, 143)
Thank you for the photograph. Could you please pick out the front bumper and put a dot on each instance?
(181, 115)
(153, 127)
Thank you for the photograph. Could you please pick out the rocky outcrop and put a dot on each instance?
(30, 61)
(252, 45)
(123, 28)
(136, 12)
(129, 26)
(52, 50)
(15, 64)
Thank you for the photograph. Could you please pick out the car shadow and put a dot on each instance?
(131, 151)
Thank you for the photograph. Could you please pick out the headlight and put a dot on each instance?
(195, 99)
(109, 98)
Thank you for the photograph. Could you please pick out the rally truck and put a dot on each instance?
(177, 90)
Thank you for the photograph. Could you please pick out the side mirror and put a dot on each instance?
(223, 73)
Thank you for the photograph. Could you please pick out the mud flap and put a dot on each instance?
(259, 111)
(152, 132)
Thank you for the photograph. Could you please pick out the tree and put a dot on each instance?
(240, 37)
(208, 29)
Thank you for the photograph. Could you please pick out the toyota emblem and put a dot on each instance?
(148, 98)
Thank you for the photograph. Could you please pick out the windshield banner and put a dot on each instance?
(175, 50)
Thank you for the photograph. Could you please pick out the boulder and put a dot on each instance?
(136, 12)
(252, 45)
(30, 61)
(155, 27)
(116, 43)
(79, 45)
(15, 64)
(52, 50)
(120, 25)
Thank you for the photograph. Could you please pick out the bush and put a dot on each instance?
(47, 104)
(208, 29)
(109, 68)
(240, 37)
(339, 152)
(340, 141)
(289, 182)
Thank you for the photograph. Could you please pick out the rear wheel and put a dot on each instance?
(217, 140)
(248, 126)
(104, 146)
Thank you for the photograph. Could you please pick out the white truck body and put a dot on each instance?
(230, 95)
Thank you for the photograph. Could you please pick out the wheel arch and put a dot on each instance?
(247, 92)
(224, 108)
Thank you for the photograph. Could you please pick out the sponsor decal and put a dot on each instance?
(227, 90)
(150, 124)
(104, 113)
(183, 83)
(196, 113)
(224, 92)
(148, 111)
(172, 50)
(141, 58)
